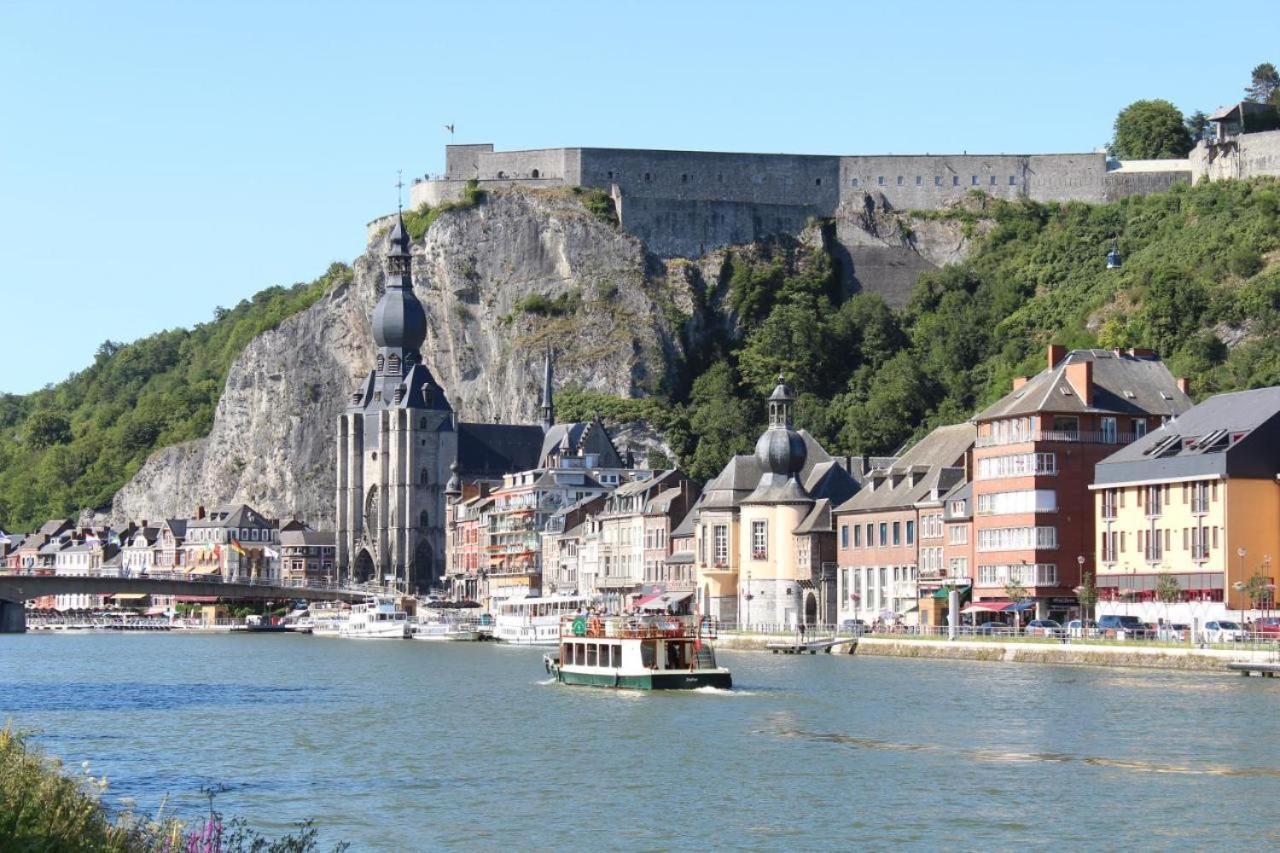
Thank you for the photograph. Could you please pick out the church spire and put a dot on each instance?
(548, 402)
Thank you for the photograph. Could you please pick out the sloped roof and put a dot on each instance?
(586, 436)
(1236, 434)
(231, 515)
(685, 527)
(177, 526)
(818, 520)
(1122, 384)
(915, 470)
(742, 474)
(495, 449)
(307, 538)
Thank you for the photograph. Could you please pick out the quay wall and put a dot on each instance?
(1153, 657)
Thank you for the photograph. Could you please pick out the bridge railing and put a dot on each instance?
(209, 580)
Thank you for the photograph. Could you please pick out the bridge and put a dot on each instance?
(18, 588)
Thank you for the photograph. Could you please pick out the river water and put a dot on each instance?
(409, 745)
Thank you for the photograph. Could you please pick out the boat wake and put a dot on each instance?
(544, 682)
(720, 691)
(1008, 756)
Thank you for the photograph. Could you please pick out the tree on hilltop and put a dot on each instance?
(1264, 81)
(1150, 130)
(1197, 124)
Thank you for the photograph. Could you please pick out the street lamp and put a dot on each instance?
(1080, 573)
(1239, 585)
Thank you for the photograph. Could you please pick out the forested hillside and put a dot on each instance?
(73, 444)
(1199, 284)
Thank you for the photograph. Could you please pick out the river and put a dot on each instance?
(408, 745)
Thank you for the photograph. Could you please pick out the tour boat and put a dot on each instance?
(327, 618)
(377, 618)
(444, 629)
(534, 621)
(637, 653)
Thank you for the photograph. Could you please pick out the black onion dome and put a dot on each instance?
(781, 451)
(398, 320)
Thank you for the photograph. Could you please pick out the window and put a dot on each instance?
(853, 182)
(993, 180)
(975, 180)
(959, 534)
(884, 534)
(870, 536)
(955, 180)
(646, 177)
(937, 180)
(702, 545)
(1109, 430)
(1018, 465)
(911, 532)
(897, 533)
(844, 536)
(721, 545)
(1017, 538)
(1027, 500)
(919, 180)
(1139, 427)
(857, 536)
(958, 567)
(1040, 574)
(1013, 180)
(880, 180)
(759, 540)
(1068, 425)
(899, 180)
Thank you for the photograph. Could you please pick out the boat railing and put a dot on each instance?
(636, 627)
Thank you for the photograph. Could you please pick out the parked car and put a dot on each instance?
(1172, 633)
(1077, 628)
(857, 627)
(1223, 631)
(1123, 627)
(1268, 627)
(992, 629)
(1043, 628)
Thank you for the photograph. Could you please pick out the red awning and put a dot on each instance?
(988, 607)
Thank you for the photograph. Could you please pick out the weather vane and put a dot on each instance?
(400, 190)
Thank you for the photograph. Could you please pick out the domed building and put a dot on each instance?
(764, 541)
(401, 449)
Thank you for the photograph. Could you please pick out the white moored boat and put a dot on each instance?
(441, 630)
(377, 618)
(637, 653)
(535, 621)
(327, 618)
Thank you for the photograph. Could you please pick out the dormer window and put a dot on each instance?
(393, 365)
(380, 365)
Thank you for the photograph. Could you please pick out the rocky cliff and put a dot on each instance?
(502, 281)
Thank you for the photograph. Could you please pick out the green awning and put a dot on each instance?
(944, 593)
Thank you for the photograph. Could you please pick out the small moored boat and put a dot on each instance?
(377, 618)
(637, 653)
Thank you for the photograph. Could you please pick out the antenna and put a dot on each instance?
(399, 191)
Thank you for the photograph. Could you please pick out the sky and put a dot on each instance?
(158, 160)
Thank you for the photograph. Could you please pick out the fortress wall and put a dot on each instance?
(462, 162)
(1120, 184)
(1244, 156)
(672, 227)
(436, 192)
(925, 182)
(697, 176)
(537, 164)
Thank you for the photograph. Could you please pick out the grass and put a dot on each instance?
(45, 808)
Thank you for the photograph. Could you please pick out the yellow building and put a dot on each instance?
(1197, 500)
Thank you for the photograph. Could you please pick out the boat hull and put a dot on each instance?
(658, 680)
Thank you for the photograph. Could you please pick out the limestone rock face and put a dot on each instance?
(272, 442)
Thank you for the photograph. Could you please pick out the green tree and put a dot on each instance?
(1264, 80)
(1150, 130)
(1017, 593)
(723, 423)
(1197, 124)
(46, 427)
(1087, 594)
(1167, 591)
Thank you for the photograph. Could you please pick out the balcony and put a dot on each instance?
(1065, 436)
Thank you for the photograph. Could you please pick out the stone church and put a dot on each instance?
(402, 450)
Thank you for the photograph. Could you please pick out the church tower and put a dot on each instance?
(396, 443)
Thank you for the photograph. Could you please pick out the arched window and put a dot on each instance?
(534, 173)
(422, 424)
(424, 520)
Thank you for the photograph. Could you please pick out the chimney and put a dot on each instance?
(1184, 385)
(1018, 382)
(1057, 352)
(1142, 352)
(1080, 375)
(200, 512)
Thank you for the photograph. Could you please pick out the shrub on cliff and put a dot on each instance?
(1150, 130)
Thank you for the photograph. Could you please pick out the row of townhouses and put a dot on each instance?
(1098, 471)
(231, 543)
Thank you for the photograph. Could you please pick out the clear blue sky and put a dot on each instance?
(160, 159)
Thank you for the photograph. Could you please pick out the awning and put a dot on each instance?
(129, 596)
(986, 607)
(205, 570)
(944, 592)
(197, 599)
(1021, 606)
(663, 601)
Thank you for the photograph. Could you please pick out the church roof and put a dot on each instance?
(583, 436)
(494, 449)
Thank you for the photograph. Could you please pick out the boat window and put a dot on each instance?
(677, 655)
(580, 653)
(591, 654)
(617, 656)
(648, 654)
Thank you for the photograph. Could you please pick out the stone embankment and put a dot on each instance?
(1069, 654)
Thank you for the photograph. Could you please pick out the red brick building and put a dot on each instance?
(1033, 463)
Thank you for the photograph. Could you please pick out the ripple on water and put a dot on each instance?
(21, 697)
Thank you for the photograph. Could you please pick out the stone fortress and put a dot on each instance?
(686, 203)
